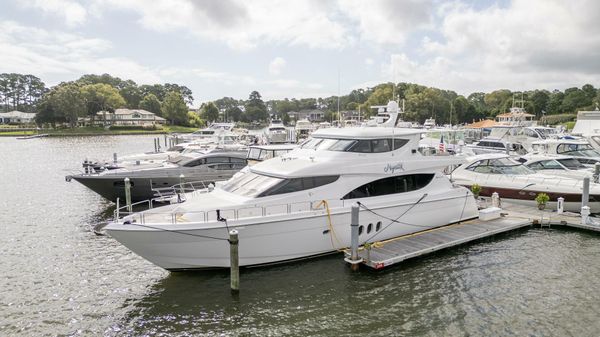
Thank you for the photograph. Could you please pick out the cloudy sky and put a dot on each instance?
(305, 48)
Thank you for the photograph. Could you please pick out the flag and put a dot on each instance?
(442, 146)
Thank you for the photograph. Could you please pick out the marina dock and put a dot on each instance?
(513, 217)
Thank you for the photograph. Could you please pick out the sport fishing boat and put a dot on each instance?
(298, 205)
(148, 177)
(512, 180)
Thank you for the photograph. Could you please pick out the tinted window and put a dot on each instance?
(362, 146)
(391, 185)
(214, 160)
(196, 162)
(299, 184)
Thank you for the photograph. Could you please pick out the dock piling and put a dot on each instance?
(128, 194)
(165, 139)
(115, 157)
(234, 260)
(354, 260)
(585, 196)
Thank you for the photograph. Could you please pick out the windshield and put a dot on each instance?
(250, 184)
(545, 133)
(572, 164)
(583, 150)
(499, 166)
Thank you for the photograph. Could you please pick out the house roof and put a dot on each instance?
(486, 123)
(17, 114)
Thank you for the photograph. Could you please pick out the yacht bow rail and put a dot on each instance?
(174, 217)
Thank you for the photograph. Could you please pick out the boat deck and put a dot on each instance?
(386, 253)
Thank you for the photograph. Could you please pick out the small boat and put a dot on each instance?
(520, 184)
(258, 153)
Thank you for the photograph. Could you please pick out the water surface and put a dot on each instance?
(58, 278)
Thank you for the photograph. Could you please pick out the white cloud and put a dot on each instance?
(57, 54)
(527, 44)
(276, 66)
(242, 25)
(388, 21)
(71, 11)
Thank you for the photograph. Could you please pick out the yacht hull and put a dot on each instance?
(111, 187)
(271, 239)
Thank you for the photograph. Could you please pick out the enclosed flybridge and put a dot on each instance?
(298, 205)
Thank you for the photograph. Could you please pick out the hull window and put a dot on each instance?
(391, 185)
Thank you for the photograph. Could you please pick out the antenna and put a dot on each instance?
(338, 99)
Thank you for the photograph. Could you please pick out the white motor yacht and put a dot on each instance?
(514, 181)
(495, 145)
(298, 205)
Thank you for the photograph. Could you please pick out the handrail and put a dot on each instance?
(238, 214)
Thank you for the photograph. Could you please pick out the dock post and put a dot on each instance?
(596, 175)
(495, 199)
(585, 196)
(354, 260)
(234, 260)
(128, 194)
(181, 177)
(585, 214)
(560, 205)
(155, 148)
(165, 140)
(115, 157)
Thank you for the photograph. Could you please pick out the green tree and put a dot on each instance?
(255, 108)
(151, 103)
(101, 97)
(66, 103)
(234, 114)
(174, 108)
(498, 101)
(210, 112)
(195, 120)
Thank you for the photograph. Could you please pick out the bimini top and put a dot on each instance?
(364, 133)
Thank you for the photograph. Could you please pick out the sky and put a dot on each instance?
(306, 48)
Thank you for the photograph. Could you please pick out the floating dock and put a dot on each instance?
(386, 253)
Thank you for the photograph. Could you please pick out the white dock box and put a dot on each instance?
(489, 213)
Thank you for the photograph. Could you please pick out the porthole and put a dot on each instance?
(360, 229)
(369, 228)
(378, 226)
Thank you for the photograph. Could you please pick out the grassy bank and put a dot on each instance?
(99, 131)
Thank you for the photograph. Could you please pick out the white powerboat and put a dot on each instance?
(514, 181)
(258, 153)
(276, 132)
(576, 148)
(298, 205)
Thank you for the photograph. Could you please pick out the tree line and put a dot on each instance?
(67, 101)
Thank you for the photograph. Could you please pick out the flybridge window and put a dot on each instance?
(391, 185)
(355, 145)
(298, 184)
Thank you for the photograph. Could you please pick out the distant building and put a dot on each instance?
(312, 115)
(17, 117)
(138, 117)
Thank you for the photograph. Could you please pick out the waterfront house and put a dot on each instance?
(313, 115)
(137, 117)
(17, 117)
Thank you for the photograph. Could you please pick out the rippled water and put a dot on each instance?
(58, 278)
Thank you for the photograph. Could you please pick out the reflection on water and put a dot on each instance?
(58, 278)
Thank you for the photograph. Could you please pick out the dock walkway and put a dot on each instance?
(382, 254)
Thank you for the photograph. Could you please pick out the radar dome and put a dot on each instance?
(392, 106)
